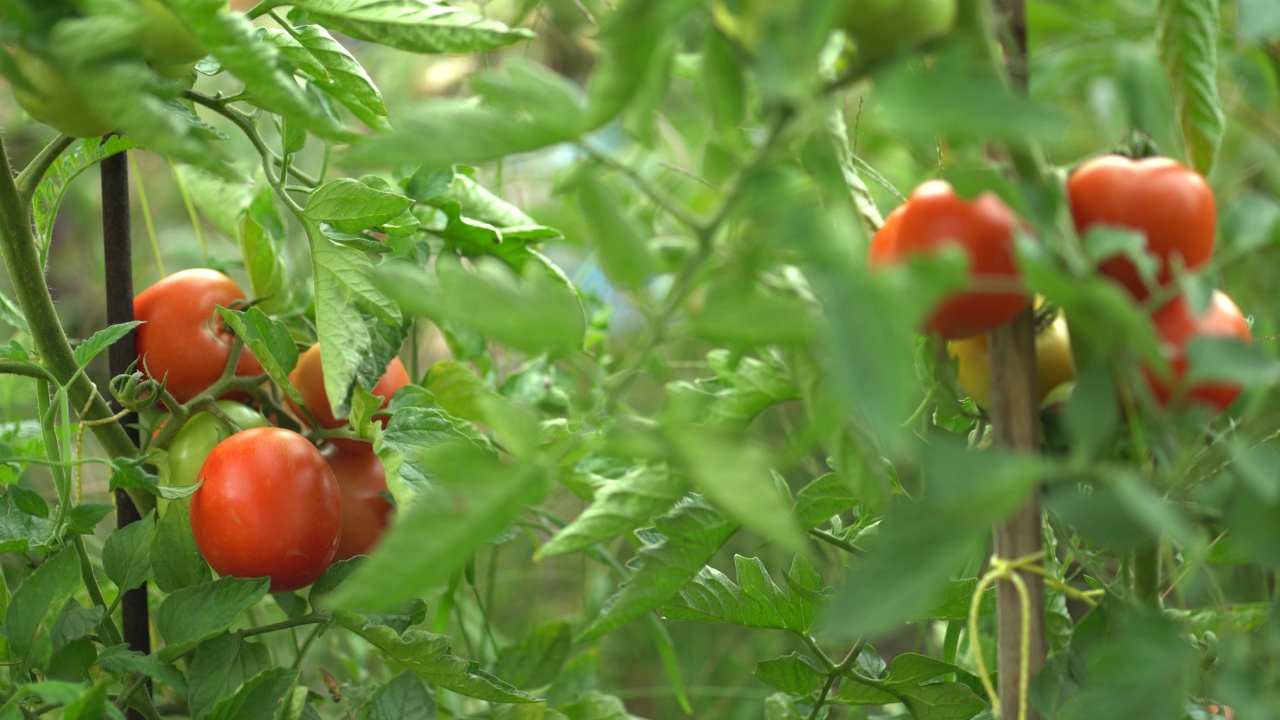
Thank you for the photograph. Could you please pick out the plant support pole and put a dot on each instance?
(118, 257)
(1016, 425)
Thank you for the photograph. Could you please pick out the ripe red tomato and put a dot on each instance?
(933, 218)
(183, 339)
(308, 377)
(1177, 325)
(880, 253)
(269, 507)
(361, 479)
(1168, 202)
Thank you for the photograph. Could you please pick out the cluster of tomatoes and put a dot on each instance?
(1168, 204)
(270, 503)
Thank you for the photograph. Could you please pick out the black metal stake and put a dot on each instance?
(118, 256)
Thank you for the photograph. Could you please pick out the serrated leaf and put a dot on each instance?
(270, 342)
(176, 562)
(194, 614)
(231, 38)
(942, 701)
(475, 497)
(757, 602)
(418, 27)
(690, 536)
(120, 660)
(351, 206)
(81, 156)
(410, 432)
(260, 698)
(403, 697)
(326, 62)
(219, 666)
(42, 592)
(953, 601)
(630, 38)
(622, 505)
(536, 311)
(431, 657)
(794, 674)
(937, 535)
(126, 555)
(86, 351)
(537, 658)
(1187, 37)
(259, 234)
(459, 391)
(344, 293)
(818, 501)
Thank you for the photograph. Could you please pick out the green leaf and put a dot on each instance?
(327, 63)
(101, 340)
(126, 555)
(750, 315)
(537, 659)
(935, 536)
(689, 536)
(92, 705)
(75, 622)
(81, 156)
(459, 391)
(175, 560)
(436, 187)
(794, 674)
(723, 82)
(270, 342)
(351, 206)
(411, 432)
(630, 38)
(527, 107)
(733, 472)
(44, 591)
(954, 600)
(85, 517)
(757, 602)
(622, 505)
(402, 697)
(474, 498)
(231, 38)
(620, 248)
(818, 501)
(29, 501)
(219, 666)
(261, 230)
(260, 698)
(535, 312)
(1187, 36)
(11, 314)
(344, 294)
(431, 657)
(531, 711)
(20, 531)
(413, 26)
(942, 701)
(194, 614)
(120, 661)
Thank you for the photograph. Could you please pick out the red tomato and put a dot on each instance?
(935, 217)
(183, 339)
(881, 251)
(1168, 202)
(365, 511)
(1177, 326)
(308, 377)
(269, 507)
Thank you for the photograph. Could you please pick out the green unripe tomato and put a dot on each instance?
(52, 100)
(881, 28)
(170, 46)
(194, 441)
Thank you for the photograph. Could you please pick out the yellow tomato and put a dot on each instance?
(1054, 364)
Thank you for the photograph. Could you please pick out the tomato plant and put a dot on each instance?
(172, 48)
(1178, 324)
(183, 341)
(365, 512)
(51, 99)
(308, 377)
(934, 218)
(1169, 203)
(1054, 364)
(193, 443)
(269, 507)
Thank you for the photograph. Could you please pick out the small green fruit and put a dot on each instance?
(881, 28)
